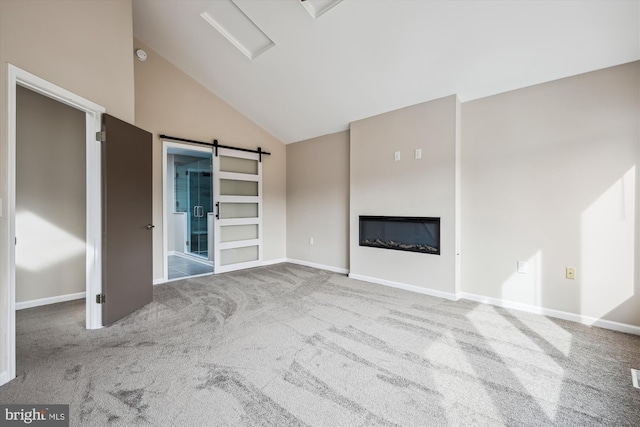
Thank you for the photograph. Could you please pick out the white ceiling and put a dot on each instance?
(366, 57)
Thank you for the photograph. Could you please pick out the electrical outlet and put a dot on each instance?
(571, 273)
(311, 241)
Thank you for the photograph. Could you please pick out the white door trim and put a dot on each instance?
(17, 76)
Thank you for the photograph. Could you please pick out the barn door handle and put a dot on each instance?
(150, 226)
(217, 210)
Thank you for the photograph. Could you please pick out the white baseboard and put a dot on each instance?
(406, 287)
(274, 261)
(4, 378)
(176, 253)
(579, 318)
(49, 300)
(318, 266)
(190, 258)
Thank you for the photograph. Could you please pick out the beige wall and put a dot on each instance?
(318, 200)
(82, 46)
(50, 200)
(546, 175)
(85, 47)
(409, 187)
(550, 177)
(170, 102)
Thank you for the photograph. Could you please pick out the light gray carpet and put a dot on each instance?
(289, 345)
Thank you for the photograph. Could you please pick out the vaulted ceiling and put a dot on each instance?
(365, 57)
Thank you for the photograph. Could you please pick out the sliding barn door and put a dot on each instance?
(238, 210)
(127, 269)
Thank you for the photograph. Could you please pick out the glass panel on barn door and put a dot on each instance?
(238, 210)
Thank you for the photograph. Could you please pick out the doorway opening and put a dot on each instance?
(50, 264)
(188, 195)
(223, 185)
(92, 274)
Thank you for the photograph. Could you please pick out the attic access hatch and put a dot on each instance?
(317, 8)
(226, 17)
(237, 27)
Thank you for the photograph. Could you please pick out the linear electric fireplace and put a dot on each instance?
(401, 233)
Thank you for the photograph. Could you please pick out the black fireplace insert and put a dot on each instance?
(401, 233)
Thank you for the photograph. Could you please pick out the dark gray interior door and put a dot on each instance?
(127, 270)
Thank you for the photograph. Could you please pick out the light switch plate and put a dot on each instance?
(396, 156)
(418, 153)
(522, 267)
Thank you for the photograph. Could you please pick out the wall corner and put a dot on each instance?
(458, 196)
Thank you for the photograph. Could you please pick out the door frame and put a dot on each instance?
(93, 112)
(165, 199)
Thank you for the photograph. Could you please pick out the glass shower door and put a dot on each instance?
(200, 205)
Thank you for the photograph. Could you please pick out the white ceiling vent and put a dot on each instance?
(317, 7)
(226, 17)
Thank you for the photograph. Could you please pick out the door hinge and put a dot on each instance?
(101, 136)
(100, 299)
